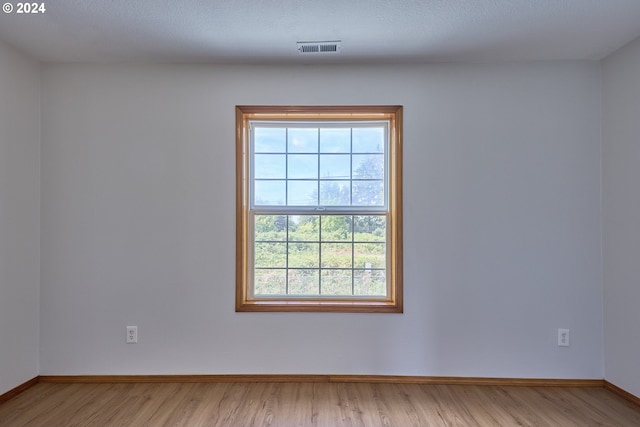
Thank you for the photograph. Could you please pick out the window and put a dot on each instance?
(319, 209)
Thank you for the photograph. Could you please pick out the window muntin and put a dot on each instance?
(319, 165)
(319, 256)
(320, 199)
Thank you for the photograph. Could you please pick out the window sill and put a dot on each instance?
(332, 306)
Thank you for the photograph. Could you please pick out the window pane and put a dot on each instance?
(368, 140)
(270, 282)
(303, 166)
(335, 140)
(269, 192)
(270, 166)
(336, 228)
(304, 228)
(369, 228)
(368, 166)
(303, 140)
(337, 255)
(270, 255)
(270, 140)
(336, 282)
(304, 282)
(304, 255)
(334, 193)
(369, 255)
(336, 166)
(270, 227)
(368, 193)
(369, 283)
(303, 193)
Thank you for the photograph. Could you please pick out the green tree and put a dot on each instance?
(334, 193)
(336, 227)
(267, 223)
(270, 227)
(308, 224)
(369, 194)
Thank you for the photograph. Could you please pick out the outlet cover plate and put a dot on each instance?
(132, 334)
(563, 338)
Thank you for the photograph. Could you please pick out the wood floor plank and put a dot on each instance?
(422, 403)
(314, 404)
(26, 404)
(324, 402)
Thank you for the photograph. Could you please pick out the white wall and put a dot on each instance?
(502, 220)
(19, 218)
(621, 216)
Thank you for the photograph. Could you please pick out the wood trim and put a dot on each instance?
(333, 306)
(241, 208)
(267, 378)
(223, 378)
(346, 112)
(396, 210)
(478, 381)
(394, 304)
(19, 389)
(622, 393)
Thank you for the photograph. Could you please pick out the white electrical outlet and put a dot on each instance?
(132, 334)
(563, 337)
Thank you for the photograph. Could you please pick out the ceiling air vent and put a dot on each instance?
(319, 47)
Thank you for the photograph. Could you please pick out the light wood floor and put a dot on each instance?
(314, 404)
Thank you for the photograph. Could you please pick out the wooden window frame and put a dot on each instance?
(392, 113)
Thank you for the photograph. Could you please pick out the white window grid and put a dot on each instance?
(320, 210)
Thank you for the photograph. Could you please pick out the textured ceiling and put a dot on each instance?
(372, 31)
